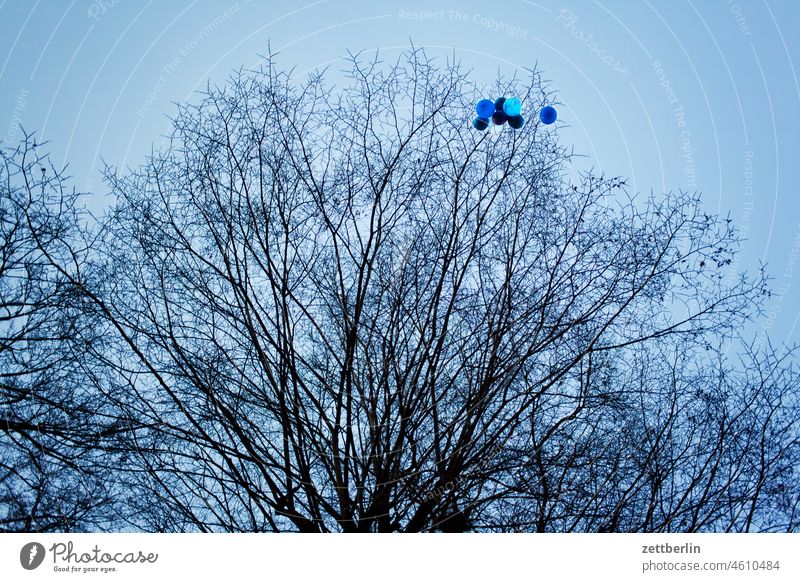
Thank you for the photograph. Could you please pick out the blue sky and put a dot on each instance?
(694, 95)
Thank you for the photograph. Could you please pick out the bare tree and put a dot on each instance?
(345, 310)
(50, 420)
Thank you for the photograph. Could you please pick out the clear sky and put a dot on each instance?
(673, 94)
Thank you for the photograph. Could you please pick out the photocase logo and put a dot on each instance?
(31, 555)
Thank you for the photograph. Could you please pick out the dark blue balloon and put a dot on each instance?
(480, 123)
(484, 108)
(512, 107)
(516, 121)
(548, 115)
(499, 118)
(498, 104)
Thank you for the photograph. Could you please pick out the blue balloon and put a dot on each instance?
(548, 115)
(499, 118)
(512, 107)
(516, 121)
(484, 108)
(498, 105)
(480, 123)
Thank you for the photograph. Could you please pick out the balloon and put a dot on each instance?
(480, 123)
(516, 121)
(484, 108)
(548, 115)
(499, 118)
(498, 105)
(512, 107)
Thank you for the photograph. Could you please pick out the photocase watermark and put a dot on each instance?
(507, 28)
(451, 485)
(100, 8)
(66, 558)
(170, 68)
(569, 21)
(785, 285)
(736, 10)
(448, 487)
(492, 24)
(747, 205)
(687, 152)
(421, 15)
(20, 105)
(31, 555)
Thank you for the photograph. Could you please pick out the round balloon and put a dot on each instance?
(516, 121)
(498, 104)
(548, 115)
(499, 118)
(480, 123)
(484, 108)
(512, 107)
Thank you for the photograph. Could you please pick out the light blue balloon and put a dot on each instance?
(512, 107)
